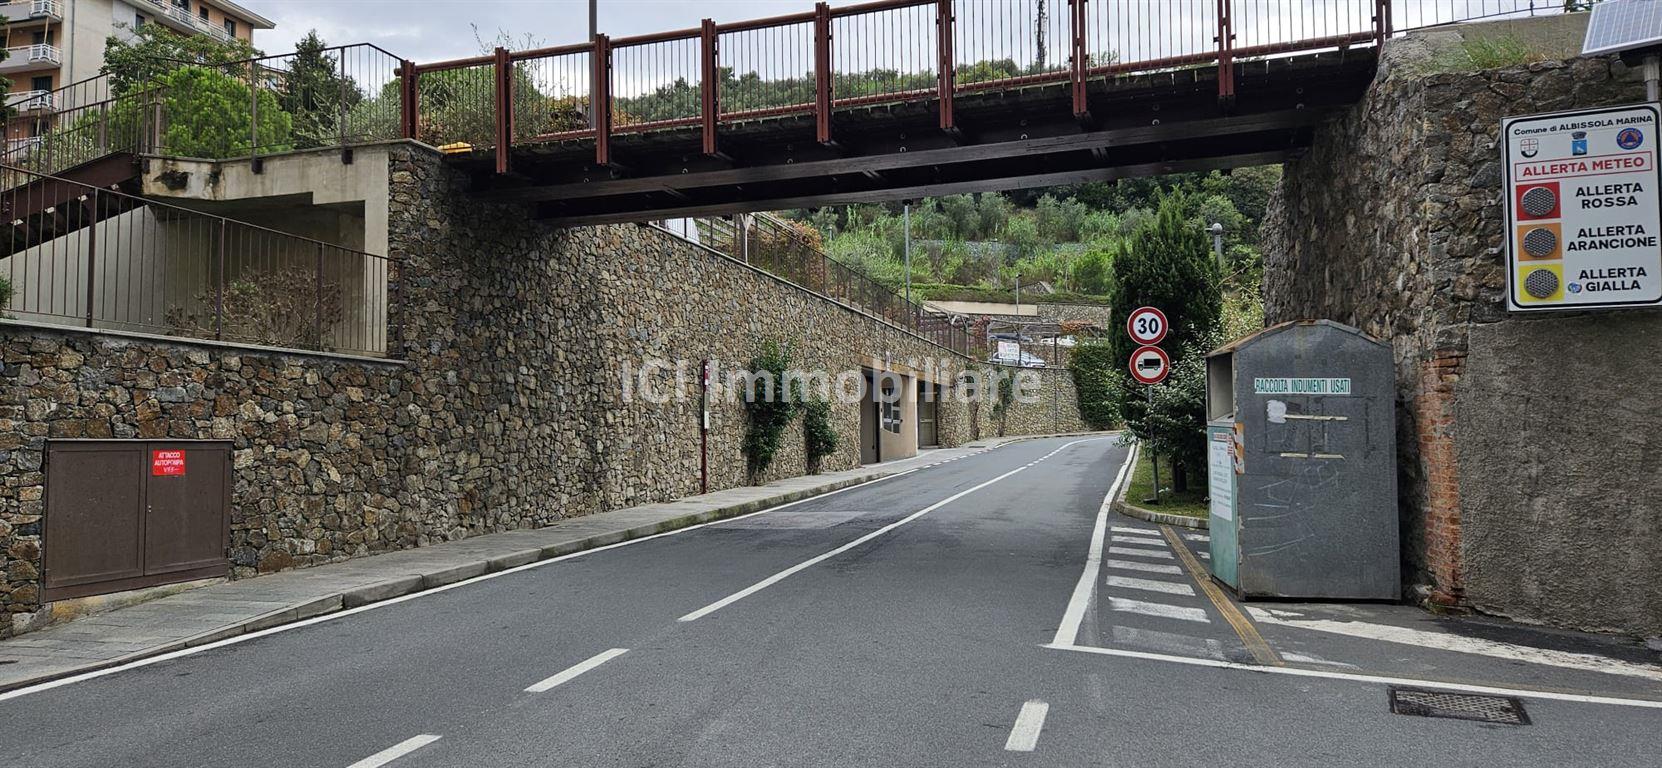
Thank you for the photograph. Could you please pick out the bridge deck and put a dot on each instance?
(1026, 135)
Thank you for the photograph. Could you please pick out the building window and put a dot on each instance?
(230, 28)
(41, 83)
(139, 20)
(202, 10)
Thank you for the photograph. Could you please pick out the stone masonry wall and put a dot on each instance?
(1512, 500)
(503, 406)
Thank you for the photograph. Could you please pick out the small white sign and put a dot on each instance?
(1220, 474)
(1009, 350)
(1583, 209)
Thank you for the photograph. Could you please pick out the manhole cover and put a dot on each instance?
(1503, 710)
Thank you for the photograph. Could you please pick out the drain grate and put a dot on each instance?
(1503, 710)
(8, 661)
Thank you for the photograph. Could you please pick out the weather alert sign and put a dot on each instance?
(1583, 209)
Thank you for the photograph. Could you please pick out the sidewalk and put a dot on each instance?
(227, 609)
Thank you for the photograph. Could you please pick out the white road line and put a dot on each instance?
(1138, 542)
(811, 562)
(572, 672)
(1417, 682)
(1443, 641)
(1142, 531)
(1179, 612)
(395, 751)
(1169, 642)
(97, 673)
(1129, 551)
(1197, 537)
(1024, 736)
(1128, 565)
(1150, 585)
(1074, 616)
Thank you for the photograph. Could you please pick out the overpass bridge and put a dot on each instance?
(907, 98)
(883, 100)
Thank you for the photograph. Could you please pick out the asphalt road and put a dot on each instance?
(909, 622)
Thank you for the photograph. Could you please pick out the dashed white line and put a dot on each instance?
(395, 751)
(1150, 585)
(1024, 736)
(572, 672)
(1133, 552)
(811, 562)
(1129, 565)
(1161, 610)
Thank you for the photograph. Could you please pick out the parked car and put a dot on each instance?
(1028, 360)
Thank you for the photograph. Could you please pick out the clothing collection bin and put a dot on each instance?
(1301, 459)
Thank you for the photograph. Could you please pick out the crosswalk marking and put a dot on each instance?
(1139, 542)
(1169, 642)
(1161, 610)
(1197, 537)
(1139, 552)
(1130, 565)
(1129, 529)
(1150, 585)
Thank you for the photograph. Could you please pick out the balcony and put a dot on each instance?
(32, 10)
(183, 20)
(31, 102)
(25, 57)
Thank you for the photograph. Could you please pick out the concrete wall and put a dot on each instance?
(1527, 474)
(514, 400)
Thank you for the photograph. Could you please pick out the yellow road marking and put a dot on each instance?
(1261, 651)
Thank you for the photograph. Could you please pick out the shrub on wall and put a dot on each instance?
(768, 408)
(821, 437)
(1093, 367)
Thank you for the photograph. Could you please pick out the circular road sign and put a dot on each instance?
(1146, 325)
(1149, 365)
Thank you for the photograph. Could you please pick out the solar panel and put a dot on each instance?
(1623, 25)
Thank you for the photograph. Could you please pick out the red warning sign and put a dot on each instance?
(167, 463)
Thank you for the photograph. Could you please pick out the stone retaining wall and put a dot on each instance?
(1527, 473)
(504, 406)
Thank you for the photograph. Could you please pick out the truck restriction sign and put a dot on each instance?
(1583, 209)
(1146, 325)
(1149, 365)
(167, 463)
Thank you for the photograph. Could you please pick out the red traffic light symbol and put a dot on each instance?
(1149, 365)
(1146, 325)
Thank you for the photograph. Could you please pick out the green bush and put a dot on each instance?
(821, 437)
(207, 116)
(767, 416)
(1093, 366)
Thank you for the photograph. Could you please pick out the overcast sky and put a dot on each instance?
(430, 30)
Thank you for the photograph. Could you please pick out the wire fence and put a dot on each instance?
(788, 251)
(97, 258)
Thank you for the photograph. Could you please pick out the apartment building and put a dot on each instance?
(54, 43)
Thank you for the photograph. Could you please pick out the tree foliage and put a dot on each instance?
(208, 116)
(819, 435)
(151, 52)
(768, 407)
(316, 94)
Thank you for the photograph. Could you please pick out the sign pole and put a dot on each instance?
(1148, 420)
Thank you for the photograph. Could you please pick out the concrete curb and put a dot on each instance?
(1162, 518)
(387, 589)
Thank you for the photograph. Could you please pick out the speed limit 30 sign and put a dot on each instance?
(1146, 325)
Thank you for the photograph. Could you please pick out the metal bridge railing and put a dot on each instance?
(816, 62)
(783, 249)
